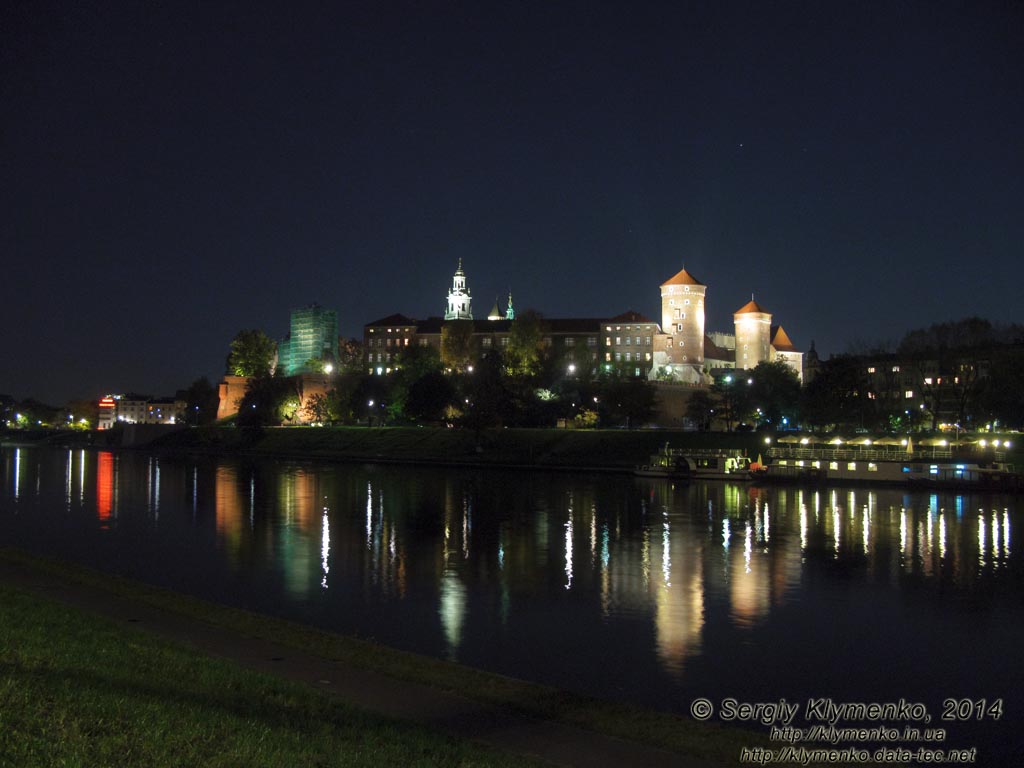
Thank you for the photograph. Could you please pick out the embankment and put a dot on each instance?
(608, 450)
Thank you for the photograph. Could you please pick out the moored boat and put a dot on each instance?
(696, 464)
(850, 465)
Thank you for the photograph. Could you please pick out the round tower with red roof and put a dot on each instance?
(753, 334)
(682, 320)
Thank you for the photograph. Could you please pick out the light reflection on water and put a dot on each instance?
(639, 589)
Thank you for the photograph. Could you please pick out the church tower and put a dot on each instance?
(753, 334)
(459, 300)
(682, 321)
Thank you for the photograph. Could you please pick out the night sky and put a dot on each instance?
(173, 172)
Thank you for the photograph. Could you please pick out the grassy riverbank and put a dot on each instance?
(80, 690)
(536, 448)
(122, 672)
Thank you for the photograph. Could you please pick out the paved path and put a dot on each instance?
(554, 742)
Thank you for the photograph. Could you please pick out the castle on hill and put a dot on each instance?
(678, 349)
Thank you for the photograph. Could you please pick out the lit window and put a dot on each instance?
(928, 380)
(908, 394)
(833, 465)
(852, 466)
(618, 340)
(608, 356)
(872, 467)
(895, 369)
(647, 356)
(870, 370)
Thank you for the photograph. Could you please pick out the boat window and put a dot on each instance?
(852, 466)
(872, 467)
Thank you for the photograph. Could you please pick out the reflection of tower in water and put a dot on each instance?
(455, 548)
(678, 588)
(658, 573)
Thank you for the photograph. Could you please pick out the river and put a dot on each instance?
(641, 591)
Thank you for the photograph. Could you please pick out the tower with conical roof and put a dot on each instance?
(682, 321)
(495, 313)
(459, 301)
(753, 334)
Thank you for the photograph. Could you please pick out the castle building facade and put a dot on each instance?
(679, 349)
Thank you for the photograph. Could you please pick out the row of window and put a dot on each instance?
(628, 342)
(390, 342)
(627, 356)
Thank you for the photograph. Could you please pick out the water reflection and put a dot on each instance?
(104, 487)
(511, 570)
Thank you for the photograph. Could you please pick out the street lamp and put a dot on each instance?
(328, 369)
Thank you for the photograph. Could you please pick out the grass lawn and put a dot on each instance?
(78, 690)
(678, 734)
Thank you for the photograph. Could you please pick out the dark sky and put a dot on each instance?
(172, 172)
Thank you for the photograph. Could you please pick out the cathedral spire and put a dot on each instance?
(510, 313)
(459, 301)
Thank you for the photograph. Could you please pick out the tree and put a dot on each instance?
(839, 397)
(268, 400)
(317, 408)
(370, 398)
(701, 409)
(775, 390)
(85, 414)
(429, 397)
(252, 353)
(350, 356)
(457, 344)
(630, 400)
(201, 402)
(1000, 397)
(733, 396)
(525, 349)
(489, 402)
